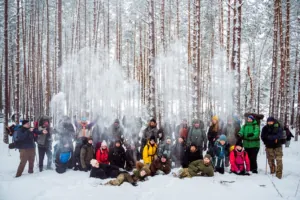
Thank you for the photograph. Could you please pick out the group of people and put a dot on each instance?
(112, 153)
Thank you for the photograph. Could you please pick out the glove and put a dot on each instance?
(250, 135)
(204, 148)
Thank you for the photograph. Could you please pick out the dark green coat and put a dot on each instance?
(250, 129)
(198, 166)
(197, 135)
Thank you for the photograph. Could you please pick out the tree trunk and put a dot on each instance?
(59, 32)
(282, 66)
(6, 108)
(17, 84)
(48, 67)
(287, 64)
(294, 88)
(274, 61)
(228, 37)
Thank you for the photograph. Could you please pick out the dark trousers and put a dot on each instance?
(26, 155)
(42, 152)
(252, 153)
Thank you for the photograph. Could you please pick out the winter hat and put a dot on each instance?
(118, 141)
(165, 156)
(24, 122)
(152, 138)
(117, 121)
(103, 144)
(98, 145)
(207, 156)
(83, 119)
(215, 118)
(251, 117)
(239, 143)
(193, 145)
(153, 120)
(271, 119)
(168, 138)
(139, 165)
(223, 138)
(94, 162)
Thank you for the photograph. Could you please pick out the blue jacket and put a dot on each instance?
(26, 138)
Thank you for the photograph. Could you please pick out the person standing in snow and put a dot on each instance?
(221, 151)
(271, 136)
(250, 135)
(102, 152)
(178, 151)
(44, 142)
(151, 130)
(182, 130)
(83, 128)
(197, 168)
(26, 146)
(167, 129)
(289, 136)
(231, 131)
(213, 133)
(117, 155)
(239, 160)
(150, 151)
(86, 154)
(140, 174)
(160, 164)
(116, 132)
(197, 136)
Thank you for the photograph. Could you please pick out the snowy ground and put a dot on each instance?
(49, 185)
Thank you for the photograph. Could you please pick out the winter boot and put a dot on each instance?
(279, 175)
(41, 169)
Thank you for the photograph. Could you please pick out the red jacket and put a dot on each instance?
(102, 155)
(238, 160)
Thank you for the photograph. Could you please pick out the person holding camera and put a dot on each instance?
(26, 146)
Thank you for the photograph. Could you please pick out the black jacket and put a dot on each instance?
(116, 156)
(105, 171)
(271, 135)
(190, 157)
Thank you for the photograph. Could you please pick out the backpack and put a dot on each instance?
(15, 141)
(257, 117)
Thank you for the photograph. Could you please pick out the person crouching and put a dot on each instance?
(239, 160)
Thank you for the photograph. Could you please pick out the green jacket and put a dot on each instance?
(250, 134)
(198, 166)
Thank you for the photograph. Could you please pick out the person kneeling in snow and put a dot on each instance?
(139, 174)
(238, 159)
(104, 171)
(197, 168)
(63, 156)
(161, 165)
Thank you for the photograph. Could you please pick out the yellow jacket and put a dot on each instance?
(149, 152)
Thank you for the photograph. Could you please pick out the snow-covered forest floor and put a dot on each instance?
(49, 185)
